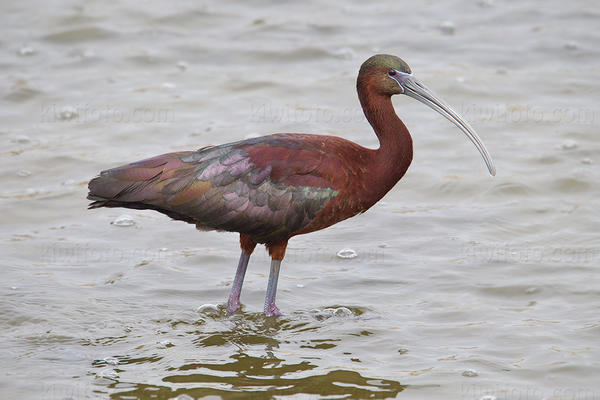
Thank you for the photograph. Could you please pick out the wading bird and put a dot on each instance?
(274, 187)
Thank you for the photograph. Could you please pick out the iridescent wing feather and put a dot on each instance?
(261, 187)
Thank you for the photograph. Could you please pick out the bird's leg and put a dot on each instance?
(233, 304)
(247, 245)
(277, 252)
(271, 309)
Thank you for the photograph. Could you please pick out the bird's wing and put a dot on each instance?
(236, 187)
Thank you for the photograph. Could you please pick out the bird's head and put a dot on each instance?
(387, 75)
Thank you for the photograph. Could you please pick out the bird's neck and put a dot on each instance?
(394, 155)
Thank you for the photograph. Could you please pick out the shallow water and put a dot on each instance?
(464, 287)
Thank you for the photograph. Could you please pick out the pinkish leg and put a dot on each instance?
(233, 304)
(271, 309)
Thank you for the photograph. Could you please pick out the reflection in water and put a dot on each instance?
(339, 383)
(252, 363)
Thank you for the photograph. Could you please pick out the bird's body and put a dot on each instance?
(269, 188)
(273, 187)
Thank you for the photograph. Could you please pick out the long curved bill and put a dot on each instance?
(415, 89)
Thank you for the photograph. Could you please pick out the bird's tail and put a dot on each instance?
(136, 185)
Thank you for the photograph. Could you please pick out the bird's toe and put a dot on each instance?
(272, 311)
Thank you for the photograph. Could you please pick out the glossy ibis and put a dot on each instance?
(274, 187)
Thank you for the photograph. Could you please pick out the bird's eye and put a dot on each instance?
(392, 72)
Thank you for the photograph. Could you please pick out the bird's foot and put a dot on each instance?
(271, 310)
(233, 306)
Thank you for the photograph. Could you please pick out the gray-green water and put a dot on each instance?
(465, 286)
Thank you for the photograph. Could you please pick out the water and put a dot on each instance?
(464, 286)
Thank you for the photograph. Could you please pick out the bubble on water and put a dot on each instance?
(23, 172)
(123, 220)
(447, 28)
(329, 312)
(68, 113)
(571, 46)
(460, 79)
(587, 161)
(181, 65)
(21, 139)
(531, 290)
(322, 314)
(109, 374)
(299, 285)
(168, 86)
(342, 312)
(111, 360)
(163, 249)
(82, 53)
(13, 288)
(208, 309)
(569, 145)
(347, 253)
(165, 344)
(26, 51)
(182, 397)
(470, 373)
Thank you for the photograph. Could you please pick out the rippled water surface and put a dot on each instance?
(463, 286)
